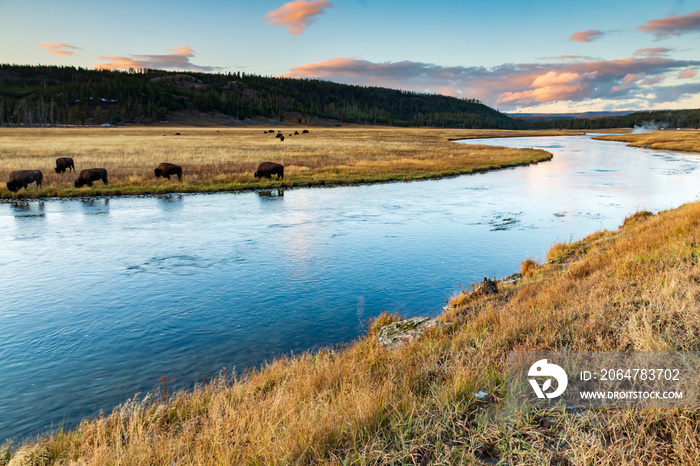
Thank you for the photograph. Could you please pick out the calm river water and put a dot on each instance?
(101, 298)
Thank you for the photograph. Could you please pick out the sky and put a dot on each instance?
(516, 56)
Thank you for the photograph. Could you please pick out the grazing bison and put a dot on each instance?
(305, 131)
(166, 169)
(279, 135)
(63, 164)
(21, 178)
(87, 176)
(281, 138)
(296, 133)
(267, 169)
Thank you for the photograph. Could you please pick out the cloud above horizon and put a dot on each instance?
(515, 85)
(587, 36)
(297, 15)
(673, 25)
(59, 48)
(178, 60)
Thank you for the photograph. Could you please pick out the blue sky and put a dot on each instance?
(554, 56)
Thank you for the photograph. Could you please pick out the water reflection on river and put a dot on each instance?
(103, 297)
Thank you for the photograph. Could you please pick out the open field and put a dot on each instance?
(687, 140)
(634, 289)
(224, 159)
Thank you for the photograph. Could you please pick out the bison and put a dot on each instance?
(279, 135)
(63, 164)
(87, 176)
(296, 133)
(166, 169)
(21, 178)
(267, 169)
(305, 131)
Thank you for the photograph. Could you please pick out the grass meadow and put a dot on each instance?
(686, 140)
(224, 159)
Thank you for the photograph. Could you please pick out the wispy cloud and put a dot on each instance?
(512, 86)
(59, 48)
(673, 25)
(687, 74)
(297, 15)
(587, 36)
(179, 59)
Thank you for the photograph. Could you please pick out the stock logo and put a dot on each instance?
(542, 369)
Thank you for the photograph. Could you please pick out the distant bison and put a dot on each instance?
(87, 176)
(279, 135)
(296, 133)
(305, 131)
(21, 178)
(267, 169)
(166, 169)
(63, 164)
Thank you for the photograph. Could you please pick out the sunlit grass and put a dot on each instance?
(225, 159)
(687, 140)
(634, 289)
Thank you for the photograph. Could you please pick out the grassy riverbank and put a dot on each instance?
(224, 159)
(687, 140)
(634, 289)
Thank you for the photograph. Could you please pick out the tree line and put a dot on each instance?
(56, 95)
(53, 95)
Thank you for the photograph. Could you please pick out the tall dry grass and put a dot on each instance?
(635, 289)
(687, 140)
(216, 159)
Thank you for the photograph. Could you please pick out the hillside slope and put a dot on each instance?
(39, 95)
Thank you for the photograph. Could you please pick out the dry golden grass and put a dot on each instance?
(528, 267)
(219, 159)
(635, 289)
(687, 140)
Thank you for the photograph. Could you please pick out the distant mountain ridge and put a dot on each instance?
(554, 116)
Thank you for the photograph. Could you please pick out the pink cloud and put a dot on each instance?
(515, 85)
(673, 25)
(297, 15)
(587, 36)
(178, 60)
(687, 74)
(59, 48)
(651, 53)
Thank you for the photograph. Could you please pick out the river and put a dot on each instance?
(102, 297)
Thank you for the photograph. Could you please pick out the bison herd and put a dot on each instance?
(23, 178)
(280, 136)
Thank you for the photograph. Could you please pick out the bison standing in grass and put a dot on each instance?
(63, 164)
(87, 176)
(167, 169)
(267, 169)
(22, 178)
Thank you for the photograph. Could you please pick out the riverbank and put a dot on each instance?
(686, 140)
(633, 289)
(224, 159)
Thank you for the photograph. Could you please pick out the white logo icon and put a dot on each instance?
(543, 369)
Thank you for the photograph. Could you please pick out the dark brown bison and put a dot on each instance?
(166, 169)
(279, 135)
(267, 169)
(305, 131)
(21, 178)
(63, 164)
(296, 133)
(87, 176)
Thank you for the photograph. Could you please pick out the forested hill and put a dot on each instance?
(50, 95)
